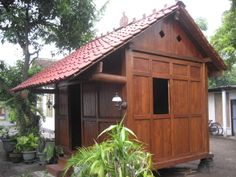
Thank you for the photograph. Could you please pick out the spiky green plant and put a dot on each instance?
(118, 156)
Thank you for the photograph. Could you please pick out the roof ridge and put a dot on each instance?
(155, 12)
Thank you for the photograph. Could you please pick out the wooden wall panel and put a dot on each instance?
(89, 132)
(142, 130)
(63, 101)
(196, 138)
(152, 40)
(179, 96)
(180, 70)
(180, 134)
(160, 68)
(195, 72)
(141, 95)
(62, 136)
(107, 108)
(194, 94)
(141, 65)
(89, 100)
(161, 138)
(64, 132)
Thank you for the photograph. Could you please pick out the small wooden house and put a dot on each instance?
(159, 65)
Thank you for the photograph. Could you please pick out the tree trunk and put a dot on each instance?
(26, 62)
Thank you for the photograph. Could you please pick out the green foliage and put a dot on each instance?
(224, 41)
(229, 78)
(202, 23)
(52, 153)
(12, 115)
(22, 109)
(27, 143)
(68, 24)
(116, 157)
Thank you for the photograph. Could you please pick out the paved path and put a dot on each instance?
(224, 164)
(224, 150)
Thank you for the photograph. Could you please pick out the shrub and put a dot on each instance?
(27, 143)
(118, 156)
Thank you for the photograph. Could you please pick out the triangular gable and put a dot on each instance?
(96, 49)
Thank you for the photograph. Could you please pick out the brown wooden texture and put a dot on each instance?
(98, 110)
(152, 40)
(62, 119)
(177, 135)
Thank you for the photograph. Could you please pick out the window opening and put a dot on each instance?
(178, 38)
(162, 34)
(160, 96)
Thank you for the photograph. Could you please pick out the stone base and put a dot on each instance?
(206, 164)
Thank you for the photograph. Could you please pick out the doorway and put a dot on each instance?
(233, 116)
(75, 115)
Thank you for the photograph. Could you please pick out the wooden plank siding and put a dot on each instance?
(181, 134)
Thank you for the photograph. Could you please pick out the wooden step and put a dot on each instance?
(63, 160)
(55, 170)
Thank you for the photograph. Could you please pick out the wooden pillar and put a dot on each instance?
(224, 113)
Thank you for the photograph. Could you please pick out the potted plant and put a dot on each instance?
(15, 156)
(27, 145)
(52, 153)
(8, 139)
(40, 149)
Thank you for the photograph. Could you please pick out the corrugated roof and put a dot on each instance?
(95, 50)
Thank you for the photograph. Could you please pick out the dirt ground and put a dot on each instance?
(224, 150)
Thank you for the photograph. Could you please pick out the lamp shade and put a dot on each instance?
(116, 98)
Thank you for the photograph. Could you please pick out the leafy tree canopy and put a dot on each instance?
(67, 23)
(202, 23)
(224, 42)
(22, 108)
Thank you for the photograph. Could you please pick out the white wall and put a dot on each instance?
(211, 106)
(211, 109)
(49, 122)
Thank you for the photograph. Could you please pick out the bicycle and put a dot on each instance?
(215, 128)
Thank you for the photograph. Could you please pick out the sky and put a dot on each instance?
(211, 10)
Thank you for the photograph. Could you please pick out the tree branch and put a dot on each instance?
(32, 60)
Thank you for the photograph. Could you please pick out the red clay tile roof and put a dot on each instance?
(95, 50)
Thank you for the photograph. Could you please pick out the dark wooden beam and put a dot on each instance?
(109, 78)
(41, 90)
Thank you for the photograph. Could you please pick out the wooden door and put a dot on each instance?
(98, 111)
(62, 119)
